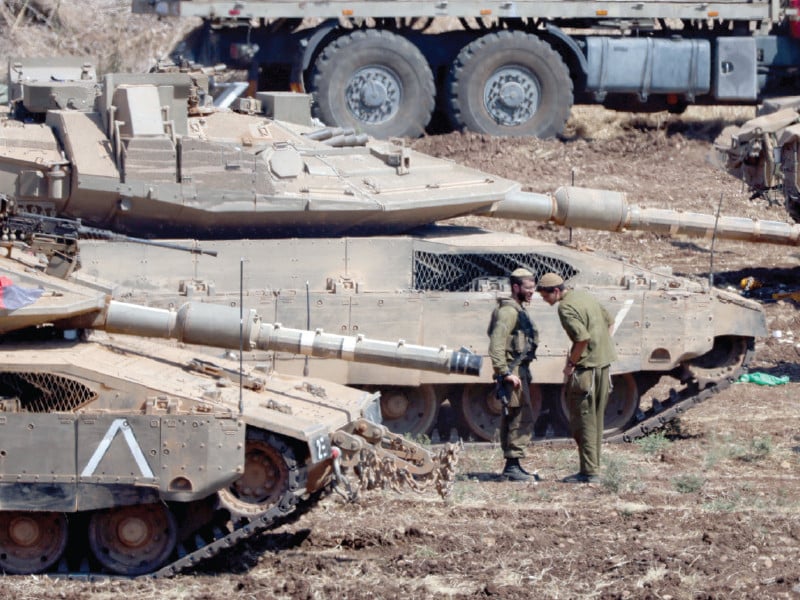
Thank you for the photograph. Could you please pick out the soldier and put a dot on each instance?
(512, 346)
(586, 374)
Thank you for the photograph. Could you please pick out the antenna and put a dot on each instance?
(572, 183)
(713, 240)
(241, 336)
(308, 326)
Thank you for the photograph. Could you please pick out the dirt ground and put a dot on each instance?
(709, 510)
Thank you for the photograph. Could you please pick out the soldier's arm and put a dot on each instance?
(572, 324)
(576, 351)
(535, 331)
(498, 343)
(577, 332)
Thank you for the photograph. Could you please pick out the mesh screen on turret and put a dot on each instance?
(457, 272)
(44, 392)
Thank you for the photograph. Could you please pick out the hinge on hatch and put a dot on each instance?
(195, 287)
(395, 154)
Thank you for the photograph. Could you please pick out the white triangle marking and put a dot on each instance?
(105, 443)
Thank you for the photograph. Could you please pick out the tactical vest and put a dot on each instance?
(524, 338)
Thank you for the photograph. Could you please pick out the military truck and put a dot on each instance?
(500, 67)
(336, 231)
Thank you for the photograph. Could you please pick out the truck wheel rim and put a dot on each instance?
(511, 95)
(374, 94)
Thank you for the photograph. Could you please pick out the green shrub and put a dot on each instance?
(616, 476)
(688, 483)
(760, 448)
(654, 443)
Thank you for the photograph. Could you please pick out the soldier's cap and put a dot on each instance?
(549, 281)
(521, 273)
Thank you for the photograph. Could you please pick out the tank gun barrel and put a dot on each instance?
(221, 326)
(610, 211)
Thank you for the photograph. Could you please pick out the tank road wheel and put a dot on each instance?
(31, 542)
(133, 540)
(622, 405)
(725, 359)
(376, 82)
(793, 208)
(270, 477)
(510, 83)
(411, 410)
(481, 411)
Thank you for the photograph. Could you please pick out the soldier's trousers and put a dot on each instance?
(587, 397)
(516, 428)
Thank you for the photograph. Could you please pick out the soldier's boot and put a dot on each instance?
(514, 472)
(582, 478)
(535, 474)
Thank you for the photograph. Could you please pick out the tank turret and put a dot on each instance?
(143, 155)
(338, 233)
(162, 454)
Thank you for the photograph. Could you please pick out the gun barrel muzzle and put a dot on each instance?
(465, 362)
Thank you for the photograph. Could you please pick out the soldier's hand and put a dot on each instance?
(515, 381)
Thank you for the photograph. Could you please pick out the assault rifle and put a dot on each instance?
(501, 393)
(57, 238)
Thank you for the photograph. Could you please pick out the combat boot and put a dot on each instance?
(534, 475)
(514, 472)
(582, 478)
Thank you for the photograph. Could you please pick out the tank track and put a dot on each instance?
(212, 539)
(664, 412)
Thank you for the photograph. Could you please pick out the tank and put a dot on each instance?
(338, 231)
(125, 456)
(763, 153)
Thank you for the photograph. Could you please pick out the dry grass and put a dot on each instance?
(598, 123)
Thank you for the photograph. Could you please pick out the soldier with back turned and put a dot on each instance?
(587, 376)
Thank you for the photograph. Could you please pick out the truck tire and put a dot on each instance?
(510, 83)
(376, 82)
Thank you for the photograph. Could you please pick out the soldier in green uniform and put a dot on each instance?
(512, 346)
(586, 374)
